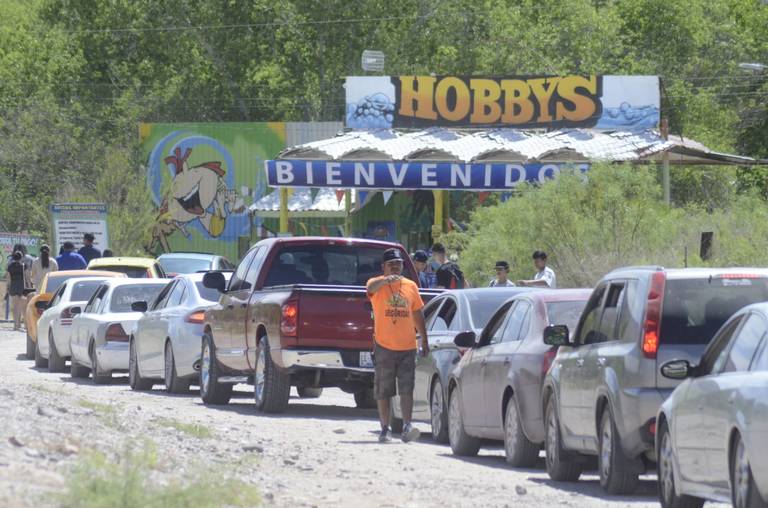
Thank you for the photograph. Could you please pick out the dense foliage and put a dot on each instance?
(77, 76)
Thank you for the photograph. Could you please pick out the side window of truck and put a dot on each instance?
(238, 278)
(590, 318)
(613, 302)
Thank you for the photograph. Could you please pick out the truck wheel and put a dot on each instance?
(211, 391)
(461, 442)
(30, 348)
(173, 383)
(77, 371)
(364, 399)
(136, 382)
(309, 392)
(519, 450)
(271, 386)
(438, 413)
(616, 471)
(55, 362)
(40, 362)
(562, 465)
(96, 375)
(667, 491)
(395, 423)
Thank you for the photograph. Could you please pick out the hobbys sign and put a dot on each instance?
(602, 102)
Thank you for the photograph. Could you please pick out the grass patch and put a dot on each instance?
(131, 482)
(193, 429)
(107, 413)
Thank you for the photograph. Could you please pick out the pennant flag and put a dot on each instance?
(482, 196)
(505, 196)
(361, 197)
(339, 195)
(387, 195)
(313, 193)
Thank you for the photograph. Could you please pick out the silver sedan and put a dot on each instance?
(713, 429)
(166, 343)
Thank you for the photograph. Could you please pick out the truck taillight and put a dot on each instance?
(549, 357)
(652, 324)
(116, 333)
(289, 322)
(197, 317)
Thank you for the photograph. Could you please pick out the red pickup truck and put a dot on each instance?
(295, 313)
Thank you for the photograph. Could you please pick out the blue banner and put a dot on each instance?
(410, 175)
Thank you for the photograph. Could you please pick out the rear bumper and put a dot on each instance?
(113, 356)
(322, 359)
(639, 407)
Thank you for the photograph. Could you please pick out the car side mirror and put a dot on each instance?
(215, 280)
(557, 335)
(75, 311)
(41, 305)
(677, 369)
(465, 339)
(140, 306)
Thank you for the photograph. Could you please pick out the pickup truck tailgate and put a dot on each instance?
(334, 318)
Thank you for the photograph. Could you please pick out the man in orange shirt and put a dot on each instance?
(396, 317)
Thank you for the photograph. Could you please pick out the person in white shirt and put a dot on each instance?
(502, 271)
(42, 265)
(544, 276)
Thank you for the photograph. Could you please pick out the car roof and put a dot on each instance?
(480, 292)
(198, 276)
(561, 295)
(187, 255)
(329, 240)
(122, 261)
(75, 280)
(84, 273)
(135, 282)
(687, 273)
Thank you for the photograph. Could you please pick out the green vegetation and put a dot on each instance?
(614, 218)
(192, 429)
(131, 482)
(107, 413)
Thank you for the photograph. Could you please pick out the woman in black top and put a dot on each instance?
(15, 278)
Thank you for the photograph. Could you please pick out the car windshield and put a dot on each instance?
(212, 295)
(57, 280)
(83, 290)
(482, 307)
(179, 265)
(694, 309)
(133, 272)
(343, 265)
(124, 296)
(565, 313)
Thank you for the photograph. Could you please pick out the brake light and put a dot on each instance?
(737, 276)
(289, 323)
(116, 333)
(549, 357)
(197, 317)
(652, 324)
(652, 427)
(65, 318)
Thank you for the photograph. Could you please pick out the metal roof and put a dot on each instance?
(510, 145)
(325, 204)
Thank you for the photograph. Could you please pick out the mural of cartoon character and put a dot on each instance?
(196, 193)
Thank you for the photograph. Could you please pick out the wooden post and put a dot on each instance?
(283, 209)
(347, 209)
(665, 185)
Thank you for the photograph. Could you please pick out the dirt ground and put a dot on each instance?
(321, 452)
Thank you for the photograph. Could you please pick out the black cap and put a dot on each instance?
(391, 255)
(438, 247)
(420, 256)
(539, 254)
(502, 264)
(89, 237)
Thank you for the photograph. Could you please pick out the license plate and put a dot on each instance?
(366, 360)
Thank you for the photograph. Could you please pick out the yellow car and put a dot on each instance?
(48, 286)
(135, 268)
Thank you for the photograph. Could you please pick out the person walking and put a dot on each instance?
(69, 259)
(449, 275)
(88, 251)
(544, 276)
(396, 318)
(26, 260)
(42, 265)
(420, 259)
(502, 272)
(15, 280)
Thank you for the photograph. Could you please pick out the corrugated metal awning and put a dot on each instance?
(301, 204)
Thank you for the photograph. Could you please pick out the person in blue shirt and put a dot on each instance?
(420, 259)
(69, 259)
(88, 251)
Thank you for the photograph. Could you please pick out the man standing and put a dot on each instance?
(420, 259)
(69, 259)
(396, 317)
(88, 251)
(449, 276)
(501, 280)
(544, 276)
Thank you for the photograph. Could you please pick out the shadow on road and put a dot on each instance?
(303, 410)
(591, 487)
(22, 356)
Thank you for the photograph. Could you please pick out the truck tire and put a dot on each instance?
(173, 383)
(135, 381)
(271, 386)
(40, 362)
(211, 391)
(617, 472)
(562, 465)
(55, 362)
(30, 348)
(309, 392)
(364, 399)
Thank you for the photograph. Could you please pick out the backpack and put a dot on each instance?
(457, 276)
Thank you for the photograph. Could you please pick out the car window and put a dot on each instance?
(177, 295)
(212, 295)
(613, 301)
(430, 311)
(83, 290)
(133, 272)
(565, 313)
(495, 329)
(238, 278)
(516, 322)
(225, 264)
(54, 282)
(123, 296)
(159, 270)
(760, 363)
(743, 347)
(178, 265)
(96, 299)
(630, 312)
(591, 318)
(57, 295)
(162, 298)
(483, 305)
(714, 356)
(447, 317)
(253, 271)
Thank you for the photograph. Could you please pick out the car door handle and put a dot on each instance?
(580, 362)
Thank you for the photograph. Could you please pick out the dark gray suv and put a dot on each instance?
(604, 389)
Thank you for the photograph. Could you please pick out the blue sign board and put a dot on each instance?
(410, 175)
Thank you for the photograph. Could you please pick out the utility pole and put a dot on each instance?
(664, 128)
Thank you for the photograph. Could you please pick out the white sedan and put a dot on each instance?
(99, 337)
(167, 340)
(713, 429)
(55, 324)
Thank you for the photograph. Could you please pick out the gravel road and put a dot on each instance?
(321, 452)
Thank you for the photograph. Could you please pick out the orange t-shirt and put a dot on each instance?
(393, 308)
